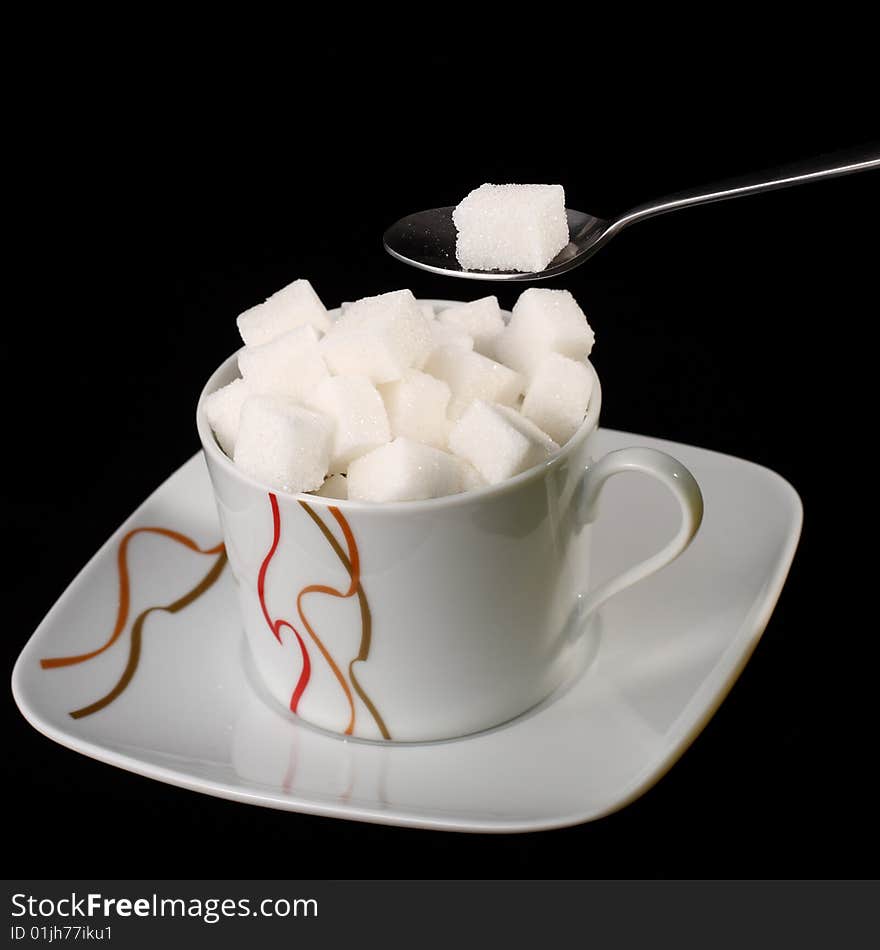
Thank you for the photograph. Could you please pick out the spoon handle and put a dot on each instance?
(815, 169)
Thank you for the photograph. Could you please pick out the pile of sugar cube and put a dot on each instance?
(394, 402)
(510, 227)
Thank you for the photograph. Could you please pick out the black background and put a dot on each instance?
(157, 211)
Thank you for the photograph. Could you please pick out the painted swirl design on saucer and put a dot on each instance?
(135, 642)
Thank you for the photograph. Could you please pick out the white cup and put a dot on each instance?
(424, 620)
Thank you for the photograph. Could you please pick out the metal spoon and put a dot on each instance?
(427, 239)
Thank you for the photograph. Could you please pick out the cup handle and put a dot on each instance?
(675, 477)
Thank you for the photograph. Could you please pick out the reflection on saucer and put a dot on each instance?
(270, 748)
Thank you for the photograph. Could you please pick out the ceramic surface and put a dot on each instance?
(158, 681)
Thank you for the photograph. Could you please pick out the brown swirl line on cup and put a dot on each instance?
(137, 628)
(351, 562)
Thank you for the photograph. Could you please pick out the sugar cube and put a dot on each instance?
(403, 470)
(480, 319)
(416, 407)
(543, 321)
(356, 410)
(443, 334)
(282, 444)
(558, 396)
(292, 306)
(336, 486)
(510, 227)
(472, 376)
(427, 310)
(471, 479)
(290, 365)
(498, 441)
(378, 337)
(223, 410)
(368, 309)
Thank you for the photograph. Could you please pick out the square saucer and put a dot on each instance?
(174, 698)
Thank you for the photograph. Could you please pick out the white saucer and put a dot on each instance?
(667, 652)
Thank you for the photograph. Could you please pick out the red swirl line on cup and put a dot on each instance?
(125, 592)
(276, 625)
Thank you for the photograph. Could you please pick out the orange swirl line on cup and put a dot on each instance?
(134, 650)
(125, 593)
(332, 592)
(351, 563)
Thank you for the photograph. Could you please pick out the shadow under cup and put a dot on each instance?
(410, 621)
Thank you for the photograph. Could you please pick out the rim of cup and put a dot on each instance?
(228, 370)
